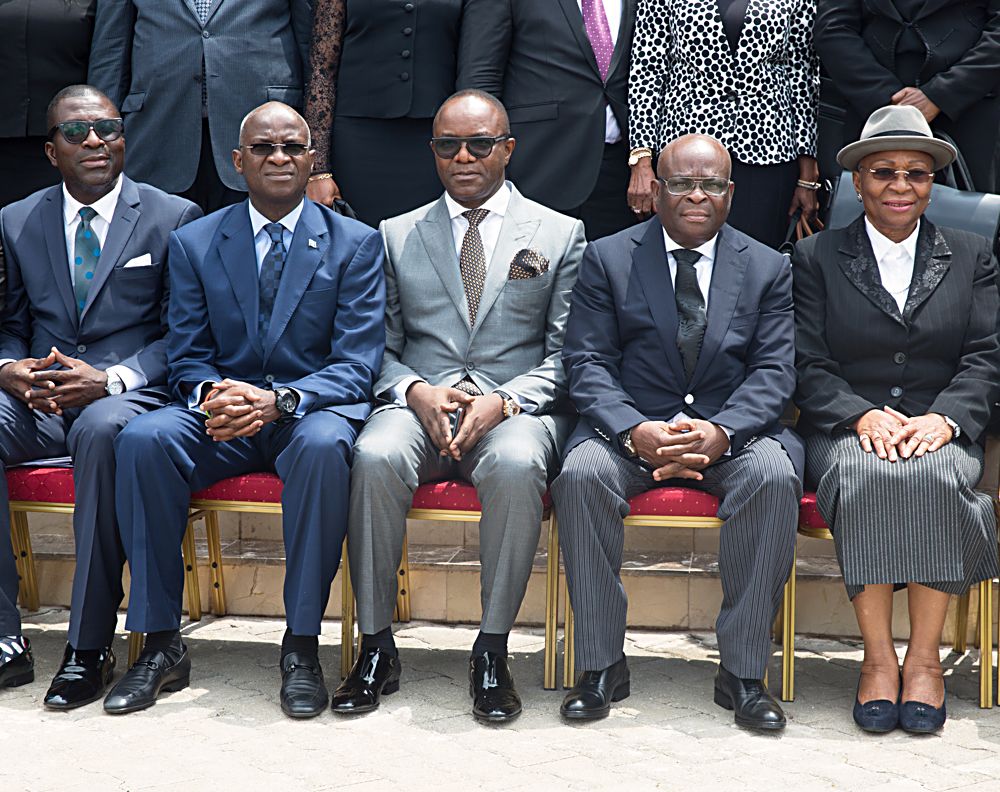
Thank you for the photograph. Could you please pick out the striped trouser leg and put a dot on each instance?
(591, 499)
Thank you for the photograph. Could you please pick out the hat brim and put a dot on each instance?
(941, 152)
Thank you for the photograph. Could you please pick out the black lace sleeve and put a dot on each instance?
(324, 58)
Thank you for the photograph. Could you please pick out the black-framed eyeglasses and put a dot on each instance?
(713, 186)
(267, 149)
(479, 147)
(76, 132)
(915, 176)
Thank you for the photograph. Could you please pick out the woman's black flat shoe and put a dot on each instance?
(879, 716)
(919, 718)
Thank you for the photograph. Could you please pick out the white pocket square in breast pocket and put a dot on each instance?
(145, 260)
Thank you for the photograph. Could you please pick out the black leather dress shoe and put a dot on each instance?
(17, 666)
(375, 673)
(82, 678)
(152, 674)
(491, 686)
(303, 690)
(754, 706)
(591, 697)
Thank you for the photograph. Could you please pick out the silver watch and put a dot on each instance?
(115, 386)
(956, 430)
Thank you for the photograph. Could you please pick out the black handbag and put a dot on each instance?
(954, 204)
(341, 207)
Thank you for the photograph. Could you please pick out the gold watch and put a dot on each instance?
(637, 154)
(510, 407)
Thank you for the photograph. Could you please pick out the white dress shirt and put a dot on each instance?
(895, 261)
(613, 10)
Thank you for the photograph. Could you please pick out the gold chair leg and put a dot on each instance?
(346, 616)
(788, 637)
(551, 603)
(215, 563)
(191, 575)
(30, 573)
(403, 584)
(960, 644)
(569, 650)
(986, 644)
(136, 640)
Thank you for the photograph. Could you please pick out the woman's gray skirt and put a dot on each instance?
(911, 521)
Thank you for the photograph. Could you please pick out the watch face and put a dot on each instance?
(285, 402)
(115, 387)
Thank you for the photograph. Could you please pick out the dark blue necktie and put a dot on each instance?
(270, 277)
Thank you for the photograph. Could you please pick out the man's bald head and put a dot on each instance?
(263, 113)
(702, 147)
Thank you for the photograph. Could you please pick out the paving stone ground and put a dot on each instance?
(226, 732)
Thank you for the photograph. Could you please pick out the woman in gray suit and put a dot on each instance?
(899, 363)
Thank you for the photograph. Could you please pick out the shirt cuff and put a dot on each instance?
(399, 391)
(5, 361)
(194, 400)
(729, 434)
(306, 398)
(131, 379)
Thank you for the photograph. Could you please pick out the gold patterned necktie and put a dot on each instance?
(472, 261)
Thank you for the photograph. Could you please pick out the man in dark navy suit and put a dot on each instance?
(82, 352)
(680, 358)
(277, 317)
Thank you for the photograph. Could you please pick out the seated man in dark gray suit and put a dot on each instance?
(478, 285)
(679, 354)
(81, 353)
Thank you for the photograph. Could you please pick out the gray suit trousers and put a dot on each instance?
(509, 467)
(759, 504)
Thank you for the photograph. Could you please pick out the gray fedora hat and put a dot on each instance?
(897, 128)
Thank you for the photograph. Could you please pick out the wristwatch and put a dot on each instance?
(510, 406)
(637, 154)
(287, 401)
(627, 444)
(956, 430)
(115, 386)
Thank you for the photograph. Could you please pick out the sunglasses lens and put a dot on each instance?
(75, 131)
(108, 129)
(884, 174)
(678, 185)
(479, 148)
(295, 149)
(714, 187)
(447, 148)
(261, 149)
(920, 176)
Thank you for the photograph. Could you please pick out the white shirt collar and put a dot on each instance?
(707, 249)
(497, 203)
(105, 207)
(881, 244)
(258, 221)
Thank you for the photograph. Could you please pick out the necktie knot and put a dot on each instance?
(685, 256)
(475, 216)
(87, 213)
(275, 231)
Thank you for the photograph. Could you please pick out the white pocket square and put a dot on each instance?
(145, 260)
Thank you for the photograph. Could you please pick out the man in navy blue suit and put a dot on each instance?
(277, 316)
(82, 352)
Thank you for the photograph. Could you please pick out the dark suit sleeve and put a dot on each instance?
(358, 334)
(484, 45)
(825, 399)
(761, 398)
(865, 82)
(969, 398)
(111, 49)
(592, 353)
(15, 324)
(302, 17)
(972, 77)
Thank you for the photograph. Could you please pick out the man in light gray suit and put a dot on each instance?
(186, 72)
(472, 386)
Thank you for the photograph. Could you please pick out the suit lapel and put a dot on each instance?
(888, 8)
(929, 7)
(728, 272)
(859, 266)
(54, 233)
(439, 244)
(239, 260)
(120, 230)
(649, 263)
(301, 263)
(574, 17)
(932, 262)
(213, 9)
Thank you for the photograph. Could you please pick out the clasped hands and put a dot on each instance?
(680, 449)
(50, 391)
(891, 435)
(237, 409)
(434, 407)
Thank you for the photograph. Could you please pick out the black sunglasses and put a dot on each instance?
(76, 132)
(478, 147)
(267, 149)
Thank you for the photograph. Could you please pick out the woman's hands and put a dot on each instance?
(891, 435)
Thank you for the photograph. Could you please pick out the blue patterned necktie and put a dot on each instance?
(270, 277)
(202, 7)
(86, 254)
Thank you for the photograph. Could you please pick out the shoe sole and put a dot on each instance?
(169, 687)
(932, 730)
(387, 690)
(496, 718)
(304, 715)
(621, 693)
(727, 703)
(17, 680)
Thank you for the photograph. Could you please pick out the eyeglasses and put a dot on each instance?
(915, 176)
(76, 132)
(267, 149)
(685, 185)
(478, 147)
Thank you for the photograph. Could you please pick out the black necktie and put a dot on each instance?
(691, 318)
(270, 277)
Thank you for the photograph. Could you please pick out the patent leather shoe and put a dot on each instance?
(375, 673)
(878, 716)
(491, 685)
(591, 697)
(753, 706)
(17, 665)
(917, 717)
(153, 673)
(82, 678)
(303, 689)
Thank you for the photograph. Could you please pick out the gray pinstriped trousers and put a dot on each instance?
(759, 503)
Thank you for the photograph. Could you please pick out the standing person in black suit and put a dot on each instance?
(561, 69)
(380, 70)
(941, 56)
(680, 358)
(44, 46)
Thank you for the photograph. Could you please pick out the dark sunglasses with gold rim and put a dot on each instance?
(479, 147)
(914, 176)
(107, 129)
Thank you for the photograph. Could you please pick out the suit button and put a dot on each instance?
(689, 399)
(470, 366)
(81, 348)
(899, 358)
(404, 76)
(206, 34)
(405, 53)
(268, 378)
(896, 392)
(408, 7)
(407, 31)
